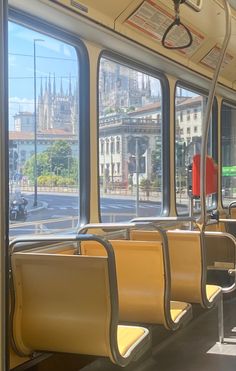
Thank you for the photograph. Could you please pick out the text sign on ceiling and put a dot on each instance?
(152, 20)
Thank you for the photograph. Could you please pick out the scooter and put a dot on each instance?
(18, 210)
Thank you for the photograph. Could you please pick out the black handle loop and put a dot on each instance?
(178, 23)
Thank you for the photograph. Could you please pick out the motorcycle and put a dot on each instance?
(18, 210)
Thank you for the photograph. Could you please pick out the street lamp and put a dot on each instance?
(35, 128)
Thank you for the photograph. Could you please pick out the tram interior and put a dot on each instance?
(192, 339)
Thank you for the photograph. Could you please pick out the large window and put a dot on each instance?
(228, 153)
(130, 121)
(189, 109)
(43, 132)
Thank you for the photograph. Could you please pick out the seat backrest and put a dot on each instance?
(187, 263)
(61, 303)
(220, 250)
(217, 227)
(142, 277)
(144, 235)
(233, 212)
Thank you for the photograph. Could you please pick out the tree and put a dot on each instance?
(59, 155)
(56, 160)
(180, 154)
(156, 159)
(43, 166)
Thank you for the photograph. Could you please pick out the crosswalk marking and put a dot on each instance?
(109, 206)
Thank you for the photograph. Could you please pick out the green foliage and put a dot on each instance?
(55, 166)
(180, 150)
(156, 183)
(145, 184)
(55, 181)
(156, 160)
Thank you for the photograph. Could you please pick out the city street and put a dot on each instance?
(66, 207)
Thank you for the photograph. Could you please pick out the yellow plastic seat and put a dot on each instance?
(188, 269)
(143, 278)
(212, 291)
(69, 303)
(127, 337)
(178, 309)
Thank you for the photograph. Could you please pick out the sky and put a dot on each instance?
(52, 57)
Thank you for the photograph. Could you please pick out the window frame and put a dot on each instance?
(56, 32)
(198, 90)
(143, 68)
(233, 105)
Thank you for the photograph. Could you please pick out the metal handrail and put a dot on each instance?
(128, 226)
(163, 219)
(206, 123)
(53, 239)
(167, 219)
(112, 226)
(225, 220)
(231, 288)
(231, 206)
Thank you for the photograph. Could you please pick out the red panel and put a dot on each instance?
(211, 176)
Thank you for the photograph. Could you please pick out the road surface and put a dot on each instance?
(59, 206)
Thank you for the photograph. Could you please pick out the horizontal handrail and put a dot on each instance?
(231, 204)
(152, 219)
(223, 220)
(113, 226)
(57, 239)
(128, 226)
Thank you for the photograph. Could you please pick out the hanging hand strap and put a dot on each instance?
(178, 23)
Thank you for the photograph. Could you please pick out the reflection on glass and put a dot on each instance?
(130, 144)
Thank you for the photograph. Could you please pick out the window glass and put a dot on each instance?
(130, 119)
(228, 153)
(43, 133)
(189, 109)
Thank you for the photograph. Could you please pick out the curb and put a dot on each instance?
(43, 206)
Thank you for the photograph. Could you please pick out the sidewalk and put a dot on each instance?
(31, 208)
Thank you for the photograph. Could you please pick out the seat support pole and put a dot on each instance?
(221, 319)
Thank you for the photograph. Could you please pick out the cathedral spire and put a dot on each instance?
(54, 85)
(49, 84)
(62, 93)
(46, 85)
(70, 92)
(41, 87)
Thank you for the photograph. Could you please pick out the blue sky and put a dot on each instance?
(52, 57)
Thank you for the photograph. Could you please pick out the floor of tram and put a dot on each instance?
(195, 347)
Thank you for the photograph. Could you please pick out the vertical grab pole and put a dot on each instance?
(206, 122)
(4, 275)
(137, 174)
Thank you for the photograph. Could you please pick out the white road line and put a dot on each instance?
(127, 207)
